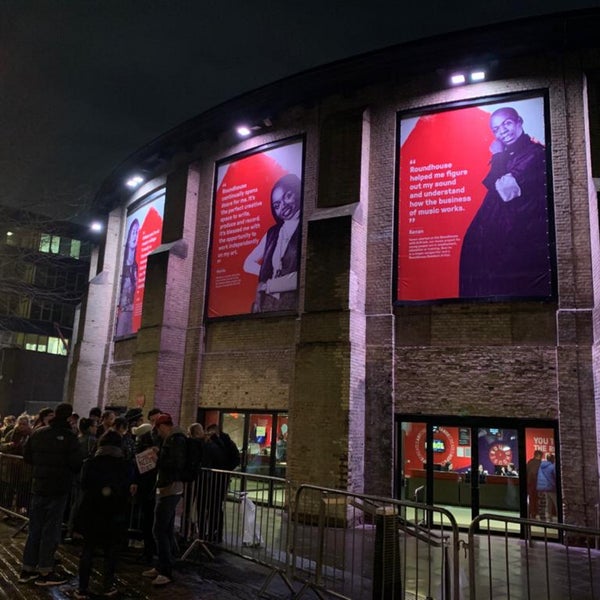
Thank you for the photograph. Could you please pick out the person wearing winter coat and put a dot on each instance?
(169, 491)
(546, 485)
(102, 515)
(54, 453)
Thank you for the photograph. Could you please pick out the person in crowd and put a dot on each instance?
(106, 422)
(8, 425)
(214, 485)
(546, 485)
(102, 515)
(505, 248)
(95, 414)
(129, 275)
(87, 444)
(532, 468)
(481, 474)
(275, 259)
(196, 431)
(14, 441)
(169, 490)
(54, 453)
(43, 418)
(197, 436)
(144, 492)
(16, 478)
(74, 423)
(121, 426)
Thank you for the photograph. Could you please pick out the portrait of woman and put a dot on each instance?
(129, 275)
(275, 259)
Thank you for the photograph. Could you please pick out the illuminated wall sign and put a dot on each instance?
(473, 216)
(257, 223)
(143, 233)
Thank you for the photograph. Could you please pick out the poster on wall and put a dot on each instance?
(257, 223)
(143, 233)
(473, 216)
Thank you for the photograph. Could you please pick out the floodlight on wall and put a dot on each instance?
(477, 76)
(134, 181)
(96, 226)
(243, 130)
(249, 128)
(458, 79)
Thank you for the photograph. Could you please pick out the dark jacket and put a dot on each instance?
(103, 511)
(56, 457)
(171, 460)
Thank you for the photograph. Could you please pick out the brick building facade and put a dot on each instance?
(351, 365)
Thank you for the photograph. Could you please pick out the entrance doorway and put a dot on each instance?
(478, 465)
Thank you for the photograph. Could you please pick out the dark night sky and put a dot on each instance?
(83, 84)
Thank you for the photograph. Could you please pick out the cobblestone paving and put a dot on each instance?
(223, 578)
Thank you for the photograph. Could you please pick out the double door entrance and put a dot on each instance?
(475, 465)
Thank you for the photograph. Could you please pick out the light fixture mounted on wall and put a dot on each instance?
(246, 129)
(134, 181)
(472, 77)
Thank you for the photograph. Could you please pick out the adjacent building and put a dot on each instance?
(44, 268)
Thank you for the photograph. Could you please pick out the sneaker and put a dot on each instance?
(153, 573)
(161, 580)
(27, 576)
(111, 593)
(81, 595)
(52, 578)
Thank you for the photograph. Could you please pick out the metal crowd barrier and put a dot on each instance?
(552, 562)
(15, 488)
(326, 542)
(357, 546)
(244, 514)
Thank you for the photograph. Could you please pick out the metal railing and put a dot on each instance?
(333, 543)
(15, 488)
(551, 562)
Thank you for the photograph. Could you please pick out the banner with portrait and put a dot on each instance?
(257, 225)
(473, 205)
(143, 233)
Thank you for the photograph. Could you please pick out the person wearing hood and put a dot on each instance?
(169, 490)
(102, 514)
(54, 453)
(546, 485)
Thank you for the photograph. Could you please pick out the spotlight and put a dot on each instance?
(134, 181)
(478, 76)
(96, 226)
(243, 130)
(457, 79)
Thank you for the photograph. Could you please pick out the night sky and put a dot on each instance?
(83, 84)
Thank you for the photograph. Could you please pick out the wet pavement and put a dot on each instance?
(224, 577)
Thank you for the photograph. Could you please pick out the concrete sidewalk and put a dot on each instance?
(226, 577)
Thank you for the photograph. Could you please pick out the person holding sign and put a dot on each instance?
(275, 259)
(505, 249)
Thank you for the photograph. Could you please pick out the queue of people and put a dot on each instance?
(90, 477)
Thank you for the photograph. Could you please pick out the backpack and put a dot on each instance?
(193, 460)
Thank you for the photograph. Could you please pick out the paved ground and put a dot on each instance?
(225, 577)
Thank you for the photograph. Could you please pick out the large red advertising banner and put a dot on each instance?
(255, 242)
(143, 235)
(473, 219)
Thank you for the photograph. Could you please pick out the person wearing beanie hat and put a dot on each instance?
(146, 436)
(169, 490)
(55, 455)
(102, 515)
